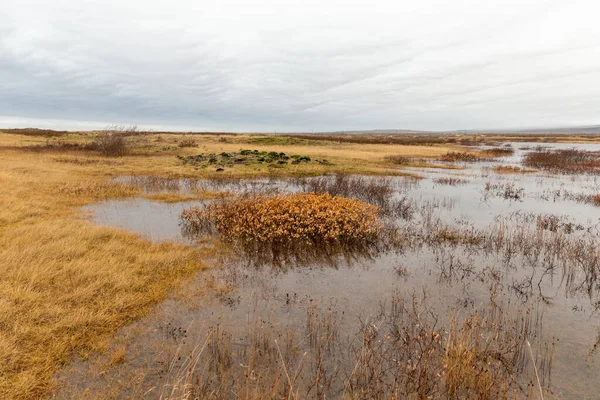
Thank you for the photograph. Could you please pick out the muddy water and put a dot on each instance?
(455, 279)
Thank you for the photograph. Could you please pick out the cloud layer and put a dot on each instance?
(300, 66)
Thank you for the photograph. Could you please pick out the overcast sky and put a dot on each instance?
(309, 65)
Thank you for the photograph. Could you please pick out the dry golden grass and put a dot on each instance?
(66, 285)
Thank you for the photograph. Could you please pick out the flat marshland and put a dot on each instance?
(160, 265)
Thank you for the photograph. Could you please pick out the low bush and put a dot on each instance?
(188, 143)
(110, 144)
(286, 220)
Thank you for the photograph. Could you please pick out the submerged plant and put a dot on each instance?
(507, 191)
(450, 181)
(398, 352)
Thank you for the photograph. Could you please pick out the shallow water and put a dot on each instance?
(464, 202)
(457, 279)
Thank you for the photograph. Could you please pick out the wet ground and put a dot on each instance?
(455, 277)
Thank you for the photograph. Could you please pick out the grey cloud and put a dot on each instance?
(235, 65)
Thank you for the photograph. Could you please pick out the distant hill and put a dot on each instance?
(573, 129)
(591, 129)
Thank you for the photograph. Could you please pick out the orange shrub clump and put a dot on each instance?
(286, 219)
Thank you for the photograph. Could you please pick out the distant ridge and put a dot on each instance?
(576, 130)
(589, 129)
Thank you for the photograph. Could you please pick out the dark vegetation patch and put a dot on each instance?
(57, 146)
(247, 157)
(504, 151)
(402, 139)
(35, 132)
(431, 139)
(110, 144)
(571, 161)
(460, 156)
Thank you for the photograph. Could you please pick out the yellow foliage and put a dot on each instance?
(300, 217)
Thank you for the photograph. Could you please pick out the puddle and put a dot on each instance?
(457, 279)
(153, 220)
